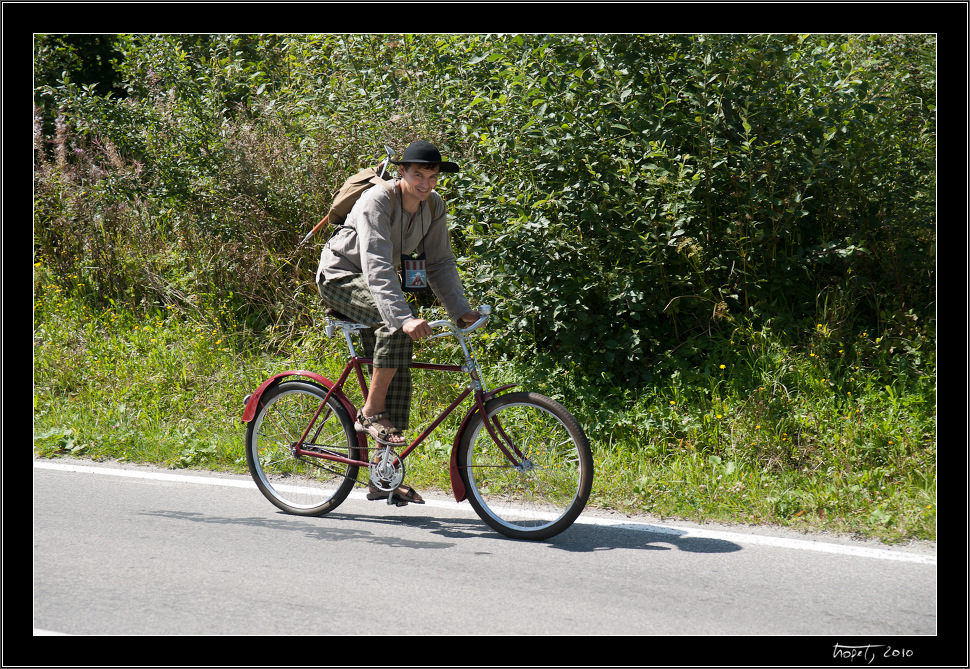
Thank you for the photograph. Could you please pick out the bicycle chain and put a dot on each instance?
(371, 478)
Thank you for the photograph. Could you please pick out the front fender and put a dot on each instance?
(457, 480)
(252, 404)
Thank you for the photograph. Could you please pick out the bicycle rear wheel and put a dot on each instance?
(544, 494)
(305, 485)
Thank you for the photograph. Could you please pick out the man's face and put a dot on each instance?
(419, 181)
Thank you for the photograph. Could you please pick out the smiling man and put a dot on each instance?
(400, 228)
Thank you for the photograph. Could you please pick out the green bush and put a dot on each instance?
(653, 189)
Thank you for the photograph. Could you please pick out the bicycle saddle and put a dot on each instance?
(333, 313)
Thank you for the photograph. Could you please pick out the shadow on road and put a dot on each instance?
(445, 532)
(587, 537)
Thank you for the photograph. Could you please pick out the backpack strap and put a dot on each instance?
(389, 185)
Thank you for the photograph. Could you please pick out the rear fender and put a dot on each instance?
(253, 403)
(457, 480)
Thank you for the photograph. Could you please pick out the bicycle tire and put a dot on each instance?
(542, 499)
(305, 486)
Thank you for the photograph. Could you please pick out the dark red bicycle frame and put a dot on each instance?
(336, 389)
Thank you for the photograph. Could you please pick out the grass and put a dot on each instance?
(837, 433)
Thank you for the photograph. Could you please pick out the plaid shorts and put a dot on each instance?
(350, 296)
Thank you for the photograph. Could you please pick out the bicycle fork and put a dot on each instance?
(504, 442)
(496, 433)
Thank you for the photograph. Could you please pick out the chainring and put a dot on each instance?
(387, 470)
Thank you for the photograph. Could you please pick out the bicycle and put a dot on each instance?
(521, 459)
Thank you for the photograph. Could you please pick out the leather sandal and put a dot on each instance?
(373, 427)
(402, 495)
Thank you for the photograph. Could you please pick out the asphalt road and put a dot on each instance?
(125, 550)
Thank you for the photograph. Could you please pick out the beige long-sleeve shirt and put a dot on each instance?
(377, 232)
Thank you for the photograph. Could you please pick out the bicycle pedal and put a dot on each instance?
(392, 502)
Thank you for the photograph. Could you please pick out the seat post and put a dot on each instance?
(347, 329)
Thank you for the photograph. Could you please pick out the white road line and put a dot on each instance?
(158, 476)
(698, 533)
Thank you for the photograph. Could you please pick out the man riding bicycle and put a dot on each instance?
(387, 230)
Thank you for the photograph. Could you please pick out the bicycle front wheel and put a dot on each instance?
(303, 485)
(542, 493)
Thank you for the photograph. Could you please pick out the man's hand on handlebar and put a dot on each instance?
(417, 328)
(469, 318)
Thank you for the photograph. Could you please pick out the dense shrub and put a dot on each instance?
(623, 198)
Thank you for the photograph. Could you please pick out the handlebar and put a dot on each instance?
(485, 312)
(349, 327)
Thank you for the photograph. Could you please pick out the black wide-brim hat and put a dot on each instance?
(425, 152)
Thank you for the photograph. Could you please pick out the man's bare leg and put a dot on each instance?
(376, 396)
